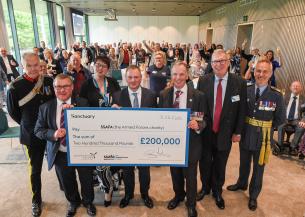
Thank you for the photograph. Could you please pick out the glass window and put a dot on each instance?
(8, 27)
(24, 25)
(62, 37)
(60, 16)
(43, 22)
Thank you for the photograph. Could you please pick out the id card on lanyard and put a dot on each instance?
(104, 101)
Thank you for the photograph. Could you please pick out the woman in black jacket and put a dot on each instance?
(98, 91)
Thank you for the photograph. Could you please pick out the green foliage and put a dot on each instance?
(25, 30)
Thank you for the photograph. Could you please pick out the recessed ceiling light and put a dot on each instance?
(153, 10)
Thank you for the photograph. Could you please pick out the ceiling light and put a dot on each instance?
(153, 10)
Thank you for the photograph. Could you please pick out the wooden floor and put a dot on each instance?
(283, 193)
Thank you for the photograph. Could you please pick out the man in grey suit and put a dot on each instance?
(226, 104)
(50, 126)
(295, 104)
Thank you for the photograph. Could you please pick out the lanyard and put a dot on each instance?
(105, 95)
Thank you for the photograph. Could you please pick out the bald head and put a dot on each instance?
(296, 87)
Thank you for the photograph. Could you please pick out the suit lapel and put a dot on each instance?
(53, 108)
(124, 98)
(190, 93)
(170, 97)
(211, 94)
(143, 97)
(227, 98)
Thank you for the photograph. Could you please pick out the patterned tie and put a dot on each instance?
(258, 93)
(62, 140)
(135, 100)
(218, 108)
(177, 99)
(292, 109)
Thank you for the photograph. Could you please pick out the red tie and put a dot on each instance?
(177, 99)
(218, 108)
(62, 140)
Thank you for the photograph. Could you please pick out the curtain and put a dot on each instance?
(3, 31)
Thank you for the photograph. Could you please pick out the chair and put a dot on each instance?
(5, 130)
(117, 74)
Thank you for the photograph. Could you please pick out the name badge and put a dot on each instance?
(235, 98)
(154, 72)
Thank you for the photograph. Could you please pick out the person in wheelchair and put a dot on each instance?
(295, 103)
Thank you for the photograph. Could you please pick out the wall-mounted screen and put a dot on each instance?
(78, 24)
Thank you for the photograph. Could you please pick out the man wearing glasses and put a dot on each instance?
(226, 104)
(24, 97)
(50, 126)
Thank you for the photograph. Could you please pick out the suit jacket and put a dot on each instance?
(195, 101)
(232, 117)
(14, 70)
(121, 57)
(301, 106)
(148, 98)
(92, 94)
(46, 126)
(252, 136)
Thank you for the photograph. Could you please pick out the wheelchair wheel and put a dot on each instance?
(276, 150)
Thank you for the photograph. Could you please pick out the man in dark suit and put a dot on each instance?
(50, 126)
(183, 96)
(137, 97)
(8, 64)
(265, 111)
(295, 104)
(226, 102)
(24, 97)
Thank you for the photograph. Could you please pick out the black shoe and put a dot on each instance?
(148, 201)
(294, 152)
(301, 156)
(36, 209)
(252, 204)
(107, 203)
(91, 210)
(173, 203)
(72, 209)
(191, 211)
(125, 201)
(200, 195)
(220, 203)
(236, 187)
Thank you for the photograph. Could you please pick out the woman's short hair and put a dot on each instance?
(103, 59)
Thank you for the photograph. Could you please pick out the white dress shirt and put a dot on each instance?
(182, 97)
(296, 113)
(7, 64)
(132, 97)
(58, 115)
(224, 87)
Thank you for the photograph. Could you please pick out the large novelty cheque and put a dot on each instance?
(105, 136)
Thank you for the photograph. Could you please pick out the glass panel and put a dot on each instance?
(8, 27)
(24, 25)
(60, 16)
(43, 22)
(63, 38)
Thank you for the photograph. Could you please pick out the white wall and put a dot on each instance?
(137, 28)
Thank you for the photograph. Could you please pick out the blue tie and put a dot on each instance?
(135, 101)
(292, 109)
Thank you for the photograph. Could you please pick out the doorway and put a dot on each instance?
(244, 31)
(209, 38)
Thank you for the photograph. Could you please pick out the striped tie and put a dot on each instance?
(62, 140)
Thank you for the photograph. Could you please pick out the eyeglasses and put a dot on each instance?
(101, 65)
(65, 87)
(221, 62)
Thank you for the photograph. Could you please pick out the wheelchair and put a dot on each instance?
(285, 147)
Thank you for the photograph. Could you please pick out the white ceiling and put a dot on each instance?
(145, 8)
